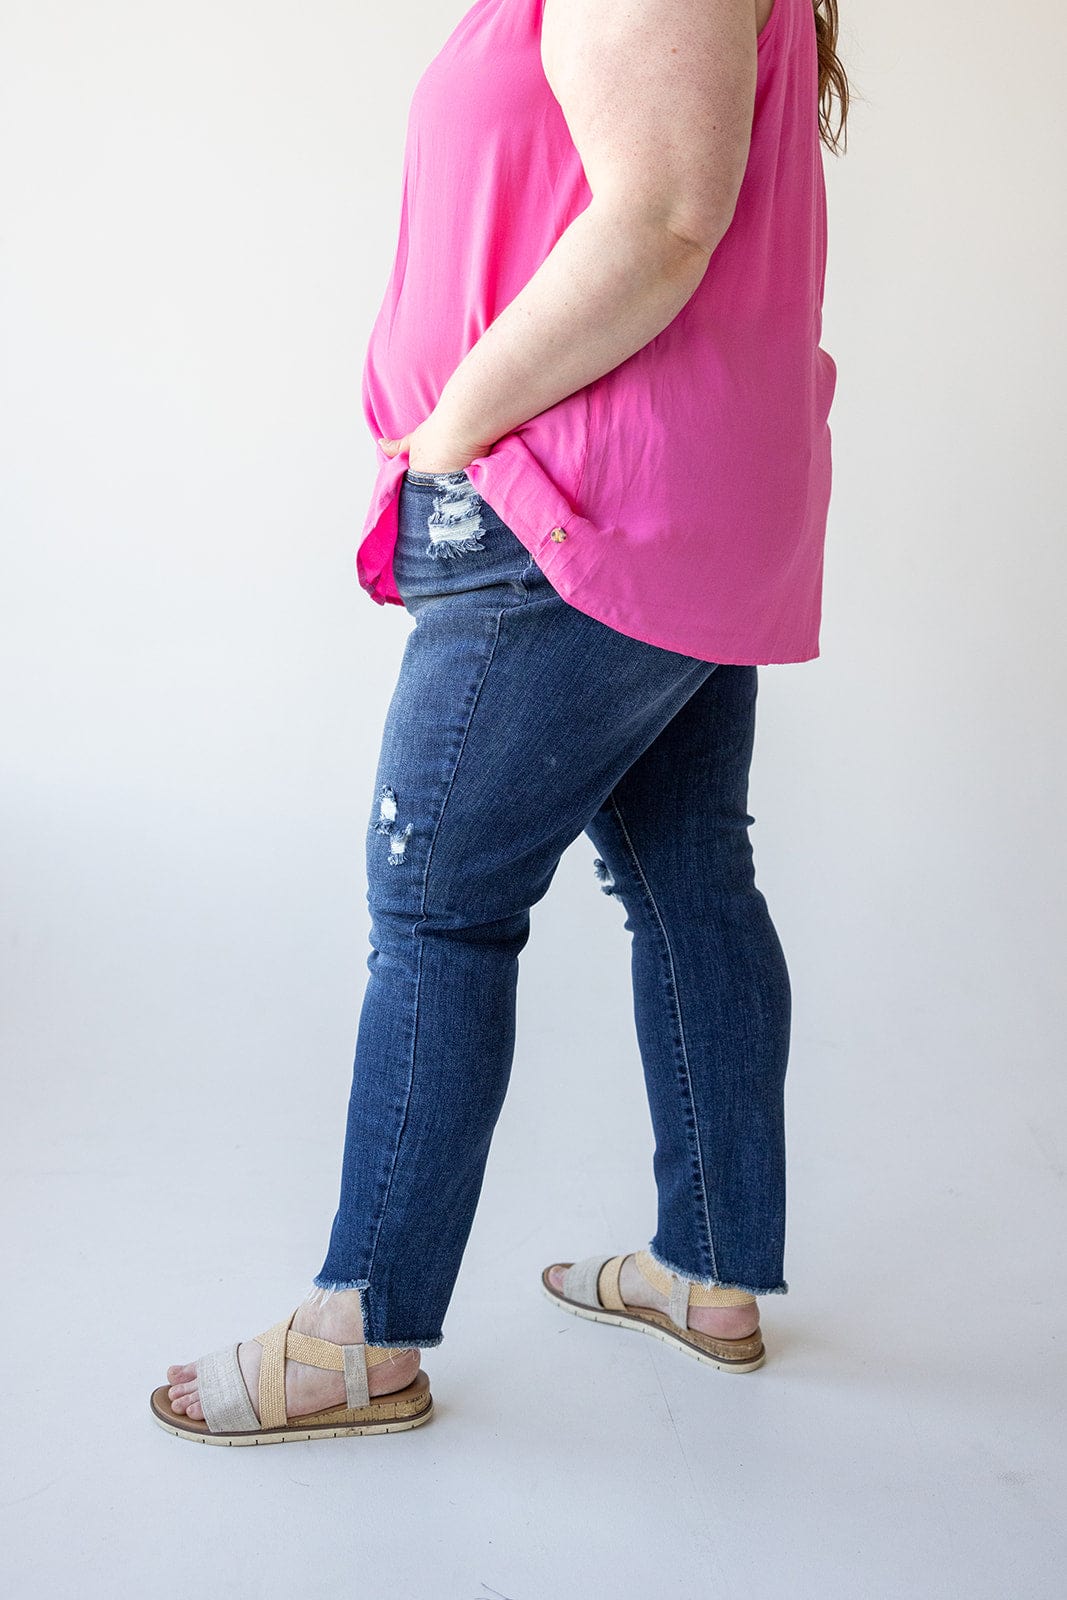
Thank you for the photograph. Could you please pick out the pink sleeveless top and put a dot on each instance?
(682, 497)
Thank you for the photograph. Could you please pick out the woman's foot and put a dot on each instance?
(307, 1389)
(722, 1322)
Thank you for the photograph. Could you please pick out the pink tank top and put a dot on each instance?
(682, 497)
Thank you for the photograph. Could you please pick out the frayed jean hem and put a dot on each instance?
(321, 1290)
(715, 1283)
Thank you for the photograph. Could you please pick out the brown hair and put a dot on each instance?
(833, 84)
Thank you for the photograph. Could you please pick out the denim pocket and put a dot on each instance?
(455, 523)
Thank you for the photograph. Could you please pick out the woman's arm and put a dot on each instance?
(658, 96)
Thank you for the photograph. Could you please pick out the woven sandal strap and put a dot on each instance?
(351, 1359)
(581, 1278)
(717, 1295)
(312, 1352)
(304, 1347)
(608, 1284)
(377, 1353)
(221, 1390)
(272, 1412)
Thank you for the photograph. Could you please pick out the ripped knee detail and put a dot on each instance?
(387, 823)
(455, 523)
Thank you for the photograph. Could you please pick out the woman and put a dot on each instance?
(603, 476)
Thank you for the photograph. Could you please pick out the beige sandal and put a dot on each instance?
(230, 1419)
(591, 1289)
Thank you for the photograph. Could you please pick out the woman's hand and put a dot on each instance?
(430, 449)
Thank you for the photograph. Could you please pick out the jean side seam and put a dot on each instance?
(414, 934)
(646, 886)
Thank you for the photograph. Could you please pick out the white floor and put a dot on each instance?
(903, 1439)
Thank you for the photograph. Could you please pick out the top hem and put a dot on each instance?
(515, 485)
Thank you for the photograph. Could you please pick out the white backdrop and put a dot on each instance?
(197, 218)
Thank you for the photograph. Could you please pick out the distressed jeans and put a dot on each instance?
(517, 722)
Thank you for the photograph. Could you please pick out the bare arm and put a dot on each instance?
(658, 97)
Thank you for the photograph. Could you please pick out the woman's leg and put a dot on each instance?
(711, 989)
(514, 716)
(513, 719)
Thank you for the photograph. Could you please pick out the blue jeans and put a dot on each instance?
(516, 723)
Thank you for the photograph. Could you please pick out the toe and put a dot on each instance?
(177, 1374)
(555, 1277)
(195, 1411)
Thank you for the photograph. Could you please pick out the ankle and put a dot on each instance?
(334, 1314)
(337, 1315)
(721, 1312)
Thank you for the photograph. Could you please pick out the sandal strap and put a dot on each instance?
(683, 1293)
(272, 1412)
(354, 1360)
(581, 1278)
(357, 1360)
(608, 1284)
(347, 1358)
(357, 1384)
(678, 1301)
(312, 1352)
(221, 1390)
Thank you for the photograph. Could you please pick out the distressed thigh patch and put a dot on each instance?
(387, 823)
(455, 523)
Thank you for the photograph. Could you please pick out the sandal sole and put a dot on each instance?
(411, 1407)
(658, 1327)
